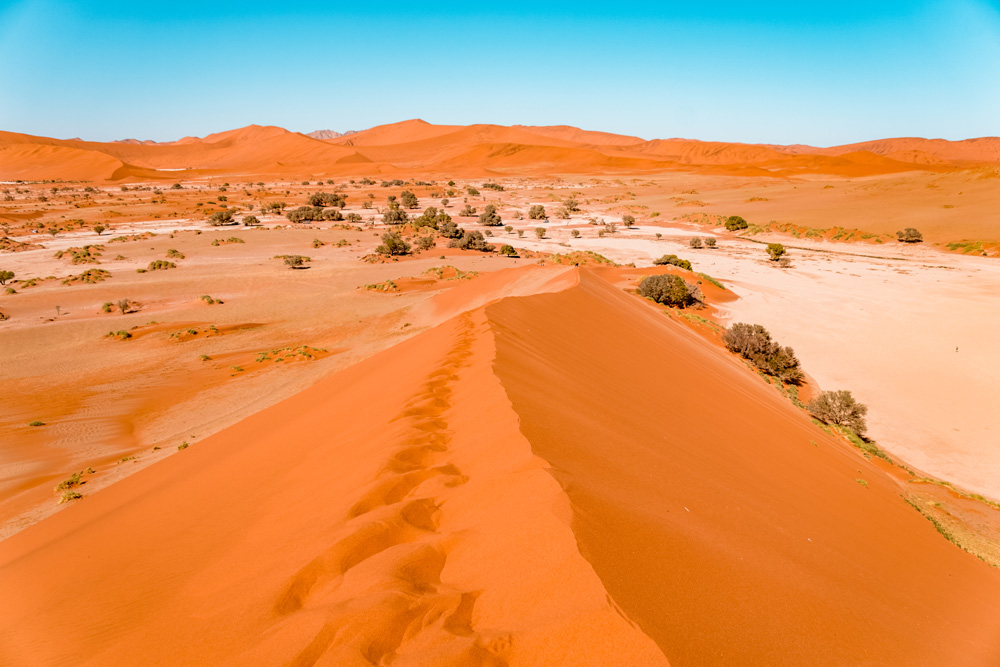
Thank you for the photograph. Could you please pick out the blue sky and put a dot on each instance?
(776, 72)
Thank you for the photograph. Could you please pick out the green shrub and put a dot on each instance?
(628, 221)
(673, 260)
(695, 243)
(392, 245)
(432, 217)
(327, 199)
(710, 241)
(508, 250)
(775, 251)
(251, 221)
(909, 235)
(735, 222)
(37, 423)
(489, 217)
(841, 408)
(540, 232)
(537, 212)
(5, 276)
(471, 241)
(670, 290)
(160, 265)
(175, 254)
(753, 343)
(467, 211)
(408, 199)
(221, 218)
(395, 215)
(425, 242)
(295, 261)
(451, 230)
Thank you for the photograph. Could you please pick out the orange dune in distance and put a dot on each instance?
(466, 151)
(564, 478)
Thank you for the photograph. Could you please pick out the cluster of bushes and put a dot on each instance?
(294, 261)
(273, 207)
(673, 260)
(909, 235)
(735, 222)
(490, 217)
(754, 343)
(395, 215)
(385, 184)
(432, 217)
(537, 212)
(670, 290)
(467, 211)
(492, 186)
(471, 241)
(408, 199)
(311, 213)
(697, 243)
(160, 265)
(251, 221)
(393, 244)
(222, 218)
(451, 230)
(328, 199)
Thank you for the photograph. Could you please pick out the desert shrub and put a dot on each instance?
(221, 218)
(126, 306)
(395, 215)
(408, 199)
(353, 217)
(160, 265)
(425, 242)
(670, 290)
(695, 243)
(472, 191)
(508, 250)
(562, 213)
(451, 230)
(393, 244)
(211, 301)
(5, 276)
(107, 306)
(273, 207)
(327, 199)
(471, 241)
(571, 205)
(467, 211)
(250, 221)
(673, 260)
(709, 241)
(520, 233)
(175, 254)
(753, 343)
(69, 496)
(431, 217)
(735, 222)
(4, 316)
(775, 251)
(840, 407)
(489, 217)
(575, 233)
(537, 212)
(99, 229)
(909, 235)
(508, 228)
(295, 261)
(317, 243)
(628, 221)
(540, 232)
(492, 186)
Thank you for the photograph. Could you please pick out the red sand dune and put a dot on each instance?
(473, 150)
(559, 479)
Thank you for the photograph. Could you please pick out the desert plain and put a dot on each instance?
(237, 435)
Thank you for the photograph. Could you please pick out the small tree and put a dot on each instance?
(221, 218)
(673, 260)
(408, 199)
(467, 211)
(775, 251)
(251, 221)
(537, 212)
(628, 221)
(709, 241)
(295, 261)
(753, 343)
(695, 243)
(471, 241)
(393, 244)
(575, 233)
(425, 242)
(451, 230)
(840, 407)
(668, 289)
(735, 222)
(909, 235)
(571, 205)
(489, 217)
(540, 232)
(395, 215)
(508, 250)
(99, 229)
(5, 276)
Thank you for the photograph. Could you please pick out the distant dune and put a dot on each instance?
(415, 146)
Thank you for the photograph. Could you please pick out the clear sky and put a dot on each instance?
(777, 72)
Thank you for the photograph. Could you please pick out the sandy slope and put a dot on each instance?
(391, 512)
(556, 479)
(727, 526)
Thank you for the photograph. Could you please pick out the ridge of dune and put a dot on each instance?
(578, 135)
(725, 524)
(391, 513)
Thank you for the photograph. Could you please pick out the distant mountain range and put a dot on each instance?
(415, 147)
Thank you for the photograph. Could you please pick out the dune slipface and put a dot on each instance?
(722, 521)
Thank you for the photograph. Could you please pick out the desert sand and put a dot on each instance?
(456, 457)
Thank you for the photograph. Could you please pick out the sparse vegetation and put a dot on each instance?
(753, 343)
(909, 235)
(393, 245)
(735, 223)
(175, 254)
(841, 408)
(537, 212)
(670, 290)
(540, 232)
(628, 221)
(471, 241)
(490, 217)
(673, 260)
(160, 265)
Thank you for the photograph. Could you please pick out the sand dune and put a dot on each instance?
(566, 478)
(472, 150)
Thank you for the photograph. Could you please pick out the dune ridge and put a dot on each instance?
(476, 150)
